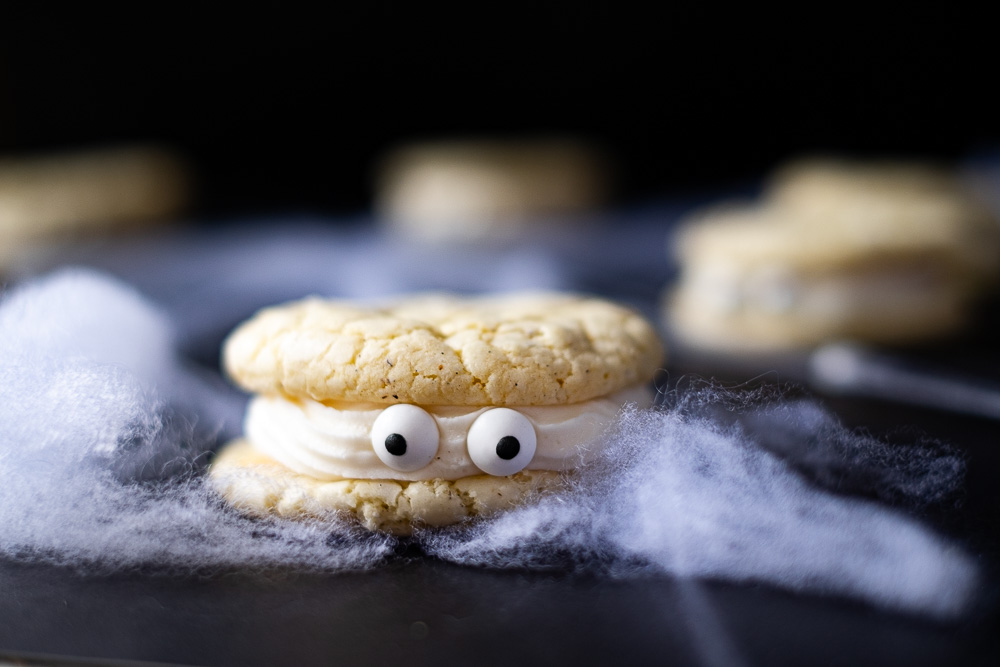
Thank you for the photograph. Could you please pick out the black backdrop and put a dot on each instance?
(283, 110)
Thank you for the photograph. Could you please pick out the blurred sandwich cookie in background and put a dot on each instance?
(51, 200)
(485, 189)
(886, 253)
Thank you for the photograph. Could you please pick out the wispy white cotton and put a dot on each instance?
(687, 495)
(104, 434)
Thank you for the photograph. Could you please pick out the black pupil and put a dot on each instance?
(395, 444)
(508, 447)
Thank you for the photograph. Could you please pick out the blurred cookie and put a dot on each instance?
(429, 410)
(59, 198)
(465, 190)
(882, 253)
(892, 205)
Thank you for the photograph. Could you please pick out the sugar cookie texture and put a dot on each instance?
(539, 349)
(523, 350)
(877, 252)
(258, 484)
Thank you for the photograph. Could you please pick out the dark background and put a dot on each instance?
(281, 110)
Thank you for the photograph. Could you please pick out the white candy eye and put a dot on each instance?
(501, 442)
(405, 437)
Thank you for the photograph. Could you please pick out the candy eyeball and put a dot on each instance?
(405, 437)
(501, 442)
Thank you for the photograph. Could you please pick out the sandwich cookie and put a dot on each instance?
(889, 253)
(429, 410)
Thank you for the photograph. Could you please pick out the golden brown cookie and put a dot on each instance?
(428, 410)
(259, 485)
(524, 349)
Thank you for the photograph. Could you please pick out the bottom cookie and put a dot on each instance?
(836, 308)
(257, 484)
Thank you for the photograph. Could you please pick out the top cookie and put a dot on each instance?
(887, 190)
(818, 214)
(750, 236)
(534, 349)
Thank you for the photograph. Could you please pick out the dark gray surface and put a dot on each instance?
(423, 612)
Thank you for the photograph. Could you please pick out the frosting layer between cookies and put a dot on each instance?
(333, 441)
(762, 310)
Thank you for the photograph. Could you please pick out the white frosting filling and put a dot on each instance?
(332, 443)
(776, 290)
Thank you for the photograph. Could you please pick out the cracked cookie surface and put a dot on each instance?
(539, 349)
(257, 484)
